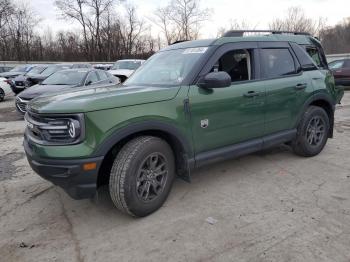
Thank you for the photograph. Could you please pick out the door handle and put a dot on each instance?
(251, 94)
(301, 86)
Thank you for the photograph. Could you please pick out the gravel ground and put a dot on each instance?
(270, 206)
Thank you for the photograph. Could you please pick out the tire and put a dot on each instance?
(312, 133)
(130, 176)
(2, 95)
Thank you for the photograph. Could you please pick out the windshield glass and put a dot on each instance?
(65, 78)
(131, 65)
(52, 69)
(336, 64)
(167, 68)
(37, 70)
(19, 69)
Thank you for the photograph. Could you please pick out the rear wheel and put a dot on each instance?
(142, 175)
(312, 132)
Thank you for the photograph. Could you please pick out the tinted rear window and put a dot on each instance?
(276, 63)
(303, 57)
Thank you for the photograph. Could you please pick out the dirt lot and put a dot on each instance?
(271, 206)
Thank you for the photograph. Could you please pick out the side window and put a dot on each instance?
(237, 63)
(304, 59)
(92, 78)
(108, 75)
(313, 53)
(276, 63)
(102, 75)
(316, 56)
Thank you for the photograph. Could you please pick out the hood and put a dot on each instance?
(37, 77)
(121, 72)
(100, 98)
(20, 78)
(37, 90)
(10, 74)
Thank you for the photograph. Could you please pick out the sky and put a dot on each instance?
(258, 13)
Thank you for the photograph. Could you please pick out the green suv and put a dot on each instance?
(191, 104)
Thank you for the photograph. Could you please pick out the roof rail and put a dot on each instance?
(239, 33)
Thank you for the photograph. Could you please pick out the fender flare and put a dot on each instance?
(316, 97)
(151, 125)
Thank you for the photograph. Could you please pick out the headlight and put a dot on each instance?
(73, 128)
(56, 129)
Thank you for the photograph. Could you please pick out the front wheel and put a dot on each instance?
(142, 175)
(312, 134)
(2, 94)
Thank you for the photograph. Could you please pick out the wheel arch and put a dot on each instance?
(180, 145)
(324, 101)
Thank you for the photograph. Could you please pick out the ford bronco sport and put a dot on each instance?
(191, 104)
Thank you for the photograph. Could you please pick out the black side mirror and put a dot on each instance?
(215, 80)
(88, 83)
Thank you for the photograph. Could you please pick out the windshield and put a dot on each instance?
(167, 68)
(19, 69)
(65, 78)
(52, 69)
(131, 65)
(336, 64)
(37, 70)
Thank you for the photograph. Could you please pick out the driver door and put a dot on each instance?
(235, 114)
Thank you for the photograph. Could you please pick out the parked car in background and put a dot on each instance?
(81, 65)
(341, 71)
(103, 66)
(38, 78)
(16, 71)
(5, 69)
(19, 83)
(5, 88)
(124, 68)
(65, 79)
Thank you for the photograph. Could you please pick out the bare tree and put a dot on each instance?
(163, 19)
(188, 16)
(336, 39)
(181, 19)
(98, 10)
(6, 11)
(296, 20)
(76, 11)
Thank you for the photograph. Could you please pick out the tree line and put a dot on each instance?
(104, 34)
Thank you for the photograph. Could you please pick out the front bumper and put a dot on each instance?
(17, 89)
(67, 174)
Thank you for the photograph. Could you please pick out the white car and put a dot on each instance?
(5, 88)
(124, 68)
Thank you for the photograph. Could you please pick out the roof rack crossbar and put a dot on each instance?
(239, 33)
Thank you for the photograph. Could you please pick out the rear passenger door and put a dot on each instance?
(286, 86)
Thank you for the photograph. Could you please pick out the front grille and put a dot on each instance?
(21, 104)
